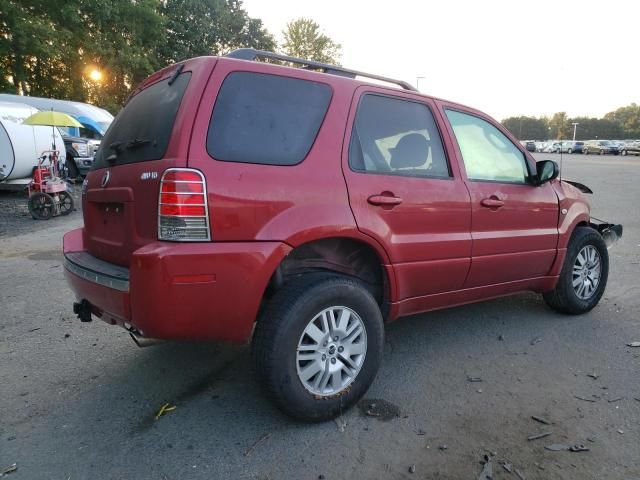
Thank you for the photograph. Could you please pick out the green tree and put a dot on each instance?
(303, 39)
(47, 47)
(527, 128)
(559, 126)
(628, 118)
(209, 27)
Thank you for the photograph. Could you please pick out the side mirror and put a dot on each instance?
(547, 170)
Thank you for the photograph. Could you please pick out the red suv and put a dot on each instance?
(302, 208)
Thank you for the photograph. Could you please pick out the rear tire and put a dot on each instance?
(289, 344)
(586, 151)
(623, 153)
(584, 274)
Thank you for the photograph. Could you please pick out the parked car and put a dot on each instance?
(302, 209)
(552, 147)
(631, 148)
(530, 146)
(602, 147)
(576, 147)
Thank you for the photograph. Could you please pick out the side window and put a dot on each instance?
(487, 153)
(396, 137)
(266, 119)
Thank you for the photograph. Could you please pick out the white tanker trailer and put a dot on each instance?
(21, 145)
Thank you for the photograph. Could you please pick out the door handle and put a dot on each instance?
(384, 200)
(492, 202)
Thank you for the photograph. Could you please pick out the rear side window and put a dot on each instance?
(142, 129)
(396, 137)
(266, 119)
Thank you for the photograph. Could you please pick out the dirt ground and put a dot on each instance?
(78, 400)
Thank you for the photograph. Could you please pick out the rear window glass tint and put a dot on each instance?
(142, 129)
(266, 119)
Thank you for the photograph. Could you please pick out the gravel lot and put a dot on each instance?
(78, 400)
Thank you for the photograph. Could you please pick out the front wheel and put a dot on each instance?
(318, 345)
(584, 274)
(586, 151)
(623, 153)
(569, 151)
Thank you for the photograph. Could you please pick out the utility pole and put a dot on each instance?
(418, 82)
(575, 125)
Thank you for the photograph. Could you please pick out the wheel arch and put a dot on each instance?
(353, 255)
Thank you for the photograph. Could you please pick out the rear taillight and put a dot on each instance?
(183, 215)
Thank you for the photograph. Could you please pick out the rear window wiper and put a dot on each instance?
(137, 142)
(115, 146)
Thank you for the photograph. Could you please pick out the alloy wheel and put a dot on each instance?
(331, 351)
(587, 269)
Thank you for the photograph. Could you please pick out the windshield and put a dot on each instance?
(142, 129)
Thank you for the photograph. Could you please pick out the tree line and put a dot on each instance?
(620, 124)
(50, 48)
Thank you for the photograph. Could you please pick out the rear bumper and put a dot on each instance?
(203, 291)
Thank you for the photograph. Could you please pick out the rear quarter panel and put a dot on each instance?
(294, 203)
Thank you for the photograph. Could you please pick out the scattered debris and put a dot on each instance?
(379, 408)
(585, 399)
(578, 448)
(541, 419)
(320, 477)
(412, 469)
(621, 432)
(538, 435)
(166, 408)
(7, 470)
(420, 432)
(508, 467)
(35, 329)
(636, 398)
(591, 439)
(501, 338)
(616, 399)
(474, 379)
(443, 447)
(255, 445)
(479, 390)
(633, 344)
(519, 474)
(67, 335)
(341, 422)
(557, 447)
(593, 375)
(535, 340)
(487, 469)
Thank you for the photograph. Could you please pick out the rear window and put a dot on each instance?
(142, 129)
(266, 119)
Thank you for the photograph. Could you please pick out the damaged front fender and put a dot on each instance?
(611, 232)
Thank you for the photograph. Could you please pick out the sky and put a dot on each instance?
(506, 58)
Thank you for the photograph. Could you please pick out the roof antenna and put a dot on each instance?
(560, 174)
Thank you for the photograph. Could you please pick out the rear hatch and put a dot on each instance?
(150, 134)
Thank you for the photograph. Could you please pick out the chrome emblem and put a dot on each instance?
(105, 178)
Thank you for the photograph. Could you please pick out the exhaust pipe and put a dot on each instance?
(144, 341)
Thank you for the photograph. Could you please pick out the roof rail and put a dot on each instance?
(252, 54)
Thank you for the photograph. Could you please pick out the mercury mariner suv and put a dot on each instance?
(301, 209)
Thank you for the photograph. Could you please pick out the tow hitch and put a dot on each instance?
(83, 310)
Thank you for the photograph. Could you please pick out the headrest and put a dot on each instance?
(410, 152)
